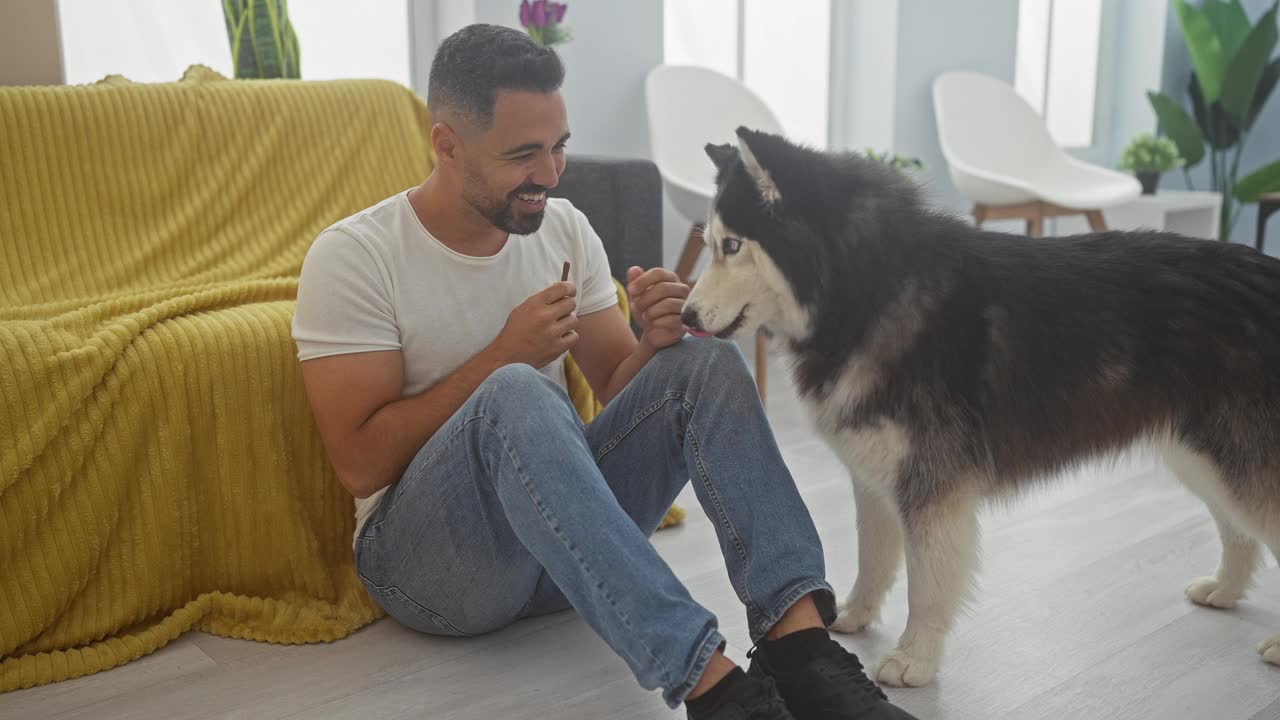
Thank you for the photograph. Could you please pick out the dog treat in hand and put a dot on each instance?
(564, 273)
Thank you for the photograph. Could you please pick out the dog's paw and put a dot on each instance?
(1209, 592)
(1270, 650)
(854, 619)
(902, 670)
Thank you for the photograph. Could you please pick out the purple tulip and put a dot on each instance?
(540, 13)
(557, 11)
(524, 13)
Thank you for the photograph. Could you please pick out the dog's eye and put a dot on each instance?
(730, 245)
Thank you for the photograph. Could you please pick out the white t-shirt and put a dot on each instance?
(378, 280)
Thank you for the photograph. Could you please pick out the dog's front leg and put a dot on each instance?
(942, 555)
(879, 554)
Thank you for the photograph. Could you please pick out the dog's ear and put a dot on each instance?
(764, 181)
(724, 156)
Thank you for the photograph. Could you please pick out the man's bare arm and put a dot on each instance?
(609, 355)
(371, 435)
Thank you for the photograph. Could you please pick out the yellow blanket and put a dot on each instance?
(159, 467)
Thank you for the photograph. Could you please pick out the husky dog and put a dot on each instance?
(946, 365)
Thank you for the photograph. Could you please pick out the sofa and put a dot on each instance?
(159, 467)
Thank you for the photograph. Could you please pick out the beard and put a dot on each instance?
(500, 211)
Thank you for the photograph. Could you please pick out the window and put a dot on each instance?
(155, 40)
(1057, 65)
(781, 53)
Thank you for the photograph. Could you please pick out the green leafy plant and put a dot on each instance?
(895, 161)
(1232, 77)
(263, 43)
(1147, 153)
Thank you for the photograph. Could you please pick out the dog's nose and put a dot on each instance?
(690, 318)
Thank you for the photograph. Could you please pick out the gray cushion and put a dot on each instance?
(622, 198)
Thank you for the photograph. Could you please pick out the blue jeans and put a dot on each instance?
(515, 509)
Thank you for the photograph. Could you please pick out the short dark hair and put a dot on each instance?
(475, 62)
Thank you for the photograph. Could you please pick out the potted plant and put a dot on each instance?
(1233, 74)
(543, 21)
(894, 160)
(1147, 157)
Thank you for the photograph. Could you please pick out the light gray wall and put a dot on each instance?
(1262, 146)
(1136, 67)
(892, 51)
(1113, 56)
(614, 46)
(934, 37)
(864, 54)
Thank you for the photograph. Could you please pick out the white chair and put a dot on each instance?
(1002, 159)
(689, 107)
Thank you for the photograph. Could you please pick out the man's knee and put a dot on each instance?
(701, 356)
(520, 387)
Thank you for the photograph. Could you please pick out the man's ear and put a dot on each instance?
(445, 142)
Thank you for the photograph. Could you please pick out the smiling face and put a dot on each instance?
(509, 167)
(499, 127)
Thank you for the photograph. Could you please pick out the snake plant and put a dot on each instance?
(263, 44)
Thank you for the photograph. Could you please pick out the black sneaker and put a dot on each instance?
(830, 686)
(754, 698)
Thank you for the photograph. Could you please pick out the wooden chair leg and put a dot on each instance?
(689, 256)
(762, 367)
(1035, 224)
(1266, 207)
(1258, 239)
(1096, 222)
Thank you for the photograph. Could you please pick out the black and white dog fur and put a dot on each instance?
(948, 365)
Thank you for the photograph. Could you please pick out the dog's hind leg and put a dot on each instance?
(942, 555)
(1240, 551)
(879, 555)
(1269, 649)
(1240, 557)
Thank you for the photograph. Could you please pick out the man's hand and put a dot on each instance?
(657, 297)
(541, 329)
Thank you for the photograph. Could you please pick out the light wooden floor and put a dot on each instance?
(1079, 614)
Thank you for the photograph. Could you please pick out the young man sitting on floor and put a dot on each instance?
(432, 330)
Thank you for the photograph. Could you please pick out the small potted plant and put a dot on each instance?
(543, 21)
(894, 160)
(1147, 157)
